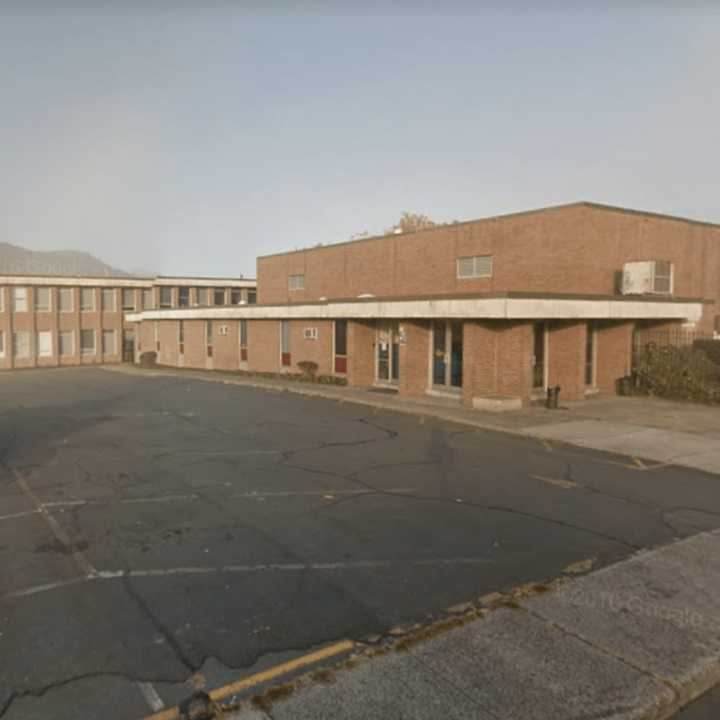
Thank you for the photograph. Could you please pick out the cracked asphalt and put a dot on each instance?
(154, 531)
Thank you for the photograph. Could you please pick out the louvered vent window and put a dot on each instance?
(477, 266)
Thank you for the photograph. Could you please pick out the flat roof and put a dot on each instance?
(140, 278)
(503, 216)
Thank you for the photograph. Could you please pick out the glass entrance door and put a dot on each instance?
(387, 353)
(447, 356)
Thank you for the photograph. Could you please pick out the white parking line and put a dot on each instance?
(151, 696)
(293, 493)
(25, 513)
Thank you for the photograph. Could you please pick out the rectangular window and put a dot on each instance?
(539, 355)
(42, 299)
(44, 343)
(66, 343)
(87, 299)
(147, 299)
(590, 355)
(296, 282)
(156, 332)
(128, 298)
(341, 346)
(2, 344)
(87, 342)
(107, 297)
(19, 299)
(477, 266)
(663, 277)
(219, 296)
(65, 299)
(184, 297)
(243, 335)
(181, 337)
(209, 337)
(285, 349)
(165, 297)
(21, 344)
(236, 296)
(108, 342)
(252, 297)
(202, 296)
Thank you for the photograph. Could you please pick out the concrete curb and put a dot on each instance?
(646, 675)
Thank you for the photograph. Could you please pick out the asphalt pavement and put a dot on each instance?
(162, 533)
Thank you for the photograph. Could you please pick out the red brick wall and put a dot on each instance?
(361, 353)
(613, 353)
(415, 358)
(577, 249)
(319, 351)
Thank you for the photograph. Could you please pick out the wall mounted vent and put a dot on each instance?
(648, 277)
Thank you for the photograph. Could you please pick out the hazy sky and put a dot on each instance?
(189, 138)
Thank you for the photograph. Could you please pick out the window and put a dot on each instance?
(296, 282)
(2, 299)
(590, 355)
(21, 344)
(181, 337)
(44, 343)
(87, 342)
(128, 298)
(107, 297)
(108, 342)
(243, 334)
(539, 338)
(65, 299)
(341, 346)
(66, 343)
(252, 297)
(147, 299)
(156, 333)
(87, 299)
(2, 344)
(42, 299)
(219, 296)
(165, 297)
(663, 277)
(285, 350)
(202, 296)
(209, 337)
(184, 296)
(19, 299)
(236, 296)
(477, 266)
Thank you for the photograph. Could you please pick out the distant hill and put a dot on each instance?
(17, 260)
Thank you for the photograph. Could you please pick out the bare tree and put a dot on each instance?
(410, 222)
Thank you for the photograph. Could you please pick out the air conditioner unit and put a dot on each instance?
(223, 330)
(648, 277)
(310, 333)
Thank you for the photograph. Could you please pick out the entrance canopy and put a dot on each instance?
(500, 306)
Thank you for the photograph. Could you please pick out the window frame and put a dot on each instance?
(252, 296)
(2, 343)
(148, 293)
(49, 334)
(285, 343)
(84, 351)
(125, 307)
(296, 282)
(15, 354)
(46, 308)
(209, 338)
(163, 305)
(14, 291)
(475, 274)
(69, 292)
(216, 291)
(71, 333)
(108, 292)
(83, 291)
(103, 349)
(236, 293)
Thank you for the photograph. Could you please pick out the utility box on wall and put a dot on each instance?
(647, 277)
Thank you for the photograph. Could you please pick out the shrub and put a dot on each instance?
(148, 359)
(683, 372)
(309, 369)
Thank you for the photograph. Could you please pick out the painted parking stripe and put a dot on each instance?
(299, 663)
(25, 513)
(151, 696)
(299, 493)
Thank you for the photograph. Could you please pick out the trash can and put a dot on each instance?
(553, 397)
(624, 385)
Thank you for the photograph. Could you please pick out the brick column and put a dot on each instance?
(566, 358)
(414, 357)
(361, 353)
(613, 354)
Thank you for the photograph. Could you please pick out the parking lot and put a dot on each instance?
(152, 529)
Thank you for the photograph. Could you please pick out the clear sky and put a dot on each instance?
(192, 137)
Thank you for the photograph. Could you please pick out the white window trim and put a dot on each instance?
(2, 343)
(161, 305)
(114, 337)
(475, 275)
(2, 299)
(50, 300)
(72, 300)
(71, 333)
(293, 282)
(94, 300)
(37, 343)
(12, 299)
(133, 308)
(113, 293)
(29, 343)
(83, 351)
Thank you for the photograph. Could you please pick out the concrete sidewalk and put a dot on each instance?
(633, 641)
(645, 428)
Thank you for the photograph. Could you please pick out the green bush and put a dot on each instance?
(683, 372)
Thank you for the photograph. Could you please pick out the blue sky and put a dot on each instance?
(192, 137)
